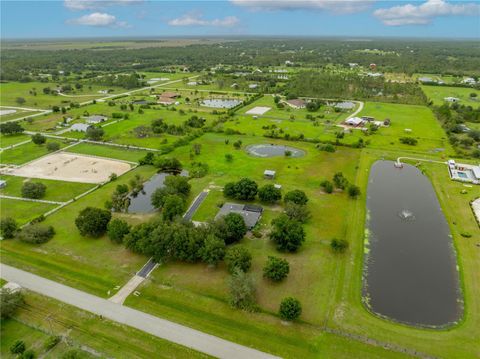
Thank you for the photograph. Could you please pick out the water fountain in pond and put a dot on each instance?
(406, 215)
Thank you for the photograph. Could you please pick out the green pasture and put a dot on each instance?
(23, 211)
(60, 191)
(438, 93)
(26, 152)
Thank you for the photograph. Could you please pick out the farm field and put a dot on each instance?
(438, 93)
(8, 140)
(107, 151)
(18, 114)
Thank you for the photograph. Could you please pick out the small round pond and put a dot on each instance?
(263, 150)
(221, 103)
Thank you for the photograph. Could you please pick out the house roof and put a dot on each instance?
(170, 95)
(82, 127)
(296, 102)
(250, 213)
(355, 121)
(96, 118)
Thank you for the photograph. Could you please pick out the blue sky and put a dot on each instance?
(351, 18)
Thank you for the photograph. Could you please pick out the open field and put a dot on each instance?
(60, 191)
(88, 335)
(23, 211)
(419, 119)
(17, 114)
(64, 166)
(438, 93)
(114, 152)
(8, 140)
(25, 153)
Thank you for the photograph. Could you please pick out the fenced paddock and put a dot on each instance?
(64, 166)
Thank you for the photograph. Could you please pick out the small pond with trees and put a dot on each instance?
(410, 270)
(142, 203)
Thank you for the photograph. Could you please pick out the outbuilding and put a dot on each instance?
(94, 119)
(269, 174)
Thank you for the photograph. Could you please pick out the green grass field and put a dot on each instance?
(438, 93)
(26, 153)
(8, 140)
(118, 153)
(23, 211)
(82, 332)
(60, 191)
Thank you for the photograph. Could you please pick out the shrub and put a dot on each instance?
(38, 139)
(231, 228)
(409, 141)
(94, 133)
(340, 181)
(10, 301)
(36, 234)
(242, 291)
(198, 170)
(93, 221)
(297, 212)
(327, 148)
(353, 191)
(8, 227)
(18, 347)
(287, 234)
(276, 269)
(10, 128)
(33, 190)
(53, 146)
(327, 186)
(269, 194)
(28, 354)
(238, 258)
(339, 245)
(228, 157)
(290, 309)
(51, 342)
(296, 196)
(117, 229)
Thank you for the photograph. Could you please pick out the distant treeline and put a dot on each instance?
(414, 56)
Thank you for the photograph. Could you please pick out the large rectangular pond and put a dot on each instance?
(410, 270)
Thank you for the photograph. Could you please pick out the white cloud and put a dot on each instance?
(336, 6)
(409, 14)
(192, 19)
(98, 19)
(96, 4)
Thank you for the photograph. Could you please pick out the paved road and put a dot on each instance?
(161, 328)
(147, 268)
(196, 203)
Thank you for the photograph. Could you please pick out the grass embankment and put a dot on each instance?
(88, 334)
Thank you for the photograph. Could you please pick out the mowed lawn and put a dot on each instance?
(26, 152)
(94, 265)
(23, 211)
(60, 191)
(8, 140)
(419, 119)
(437, 94)
(114, 152)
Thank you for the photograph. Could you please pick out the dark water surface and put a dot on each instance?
(142, 203)
(410, 272)
(265, 150)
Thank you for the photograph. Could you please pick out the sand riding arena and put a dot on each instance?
(71, 167)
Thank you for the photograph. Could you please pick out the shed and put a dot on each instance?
(3, 183)
(96, 119)
(79, 127)
(355, 121)
(269, 174)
